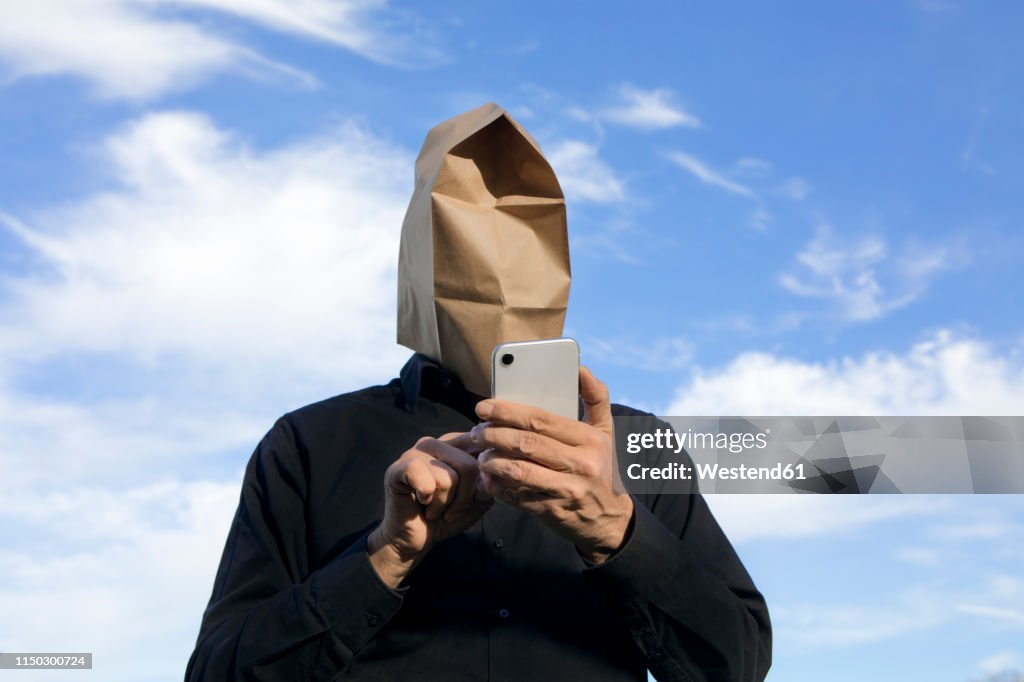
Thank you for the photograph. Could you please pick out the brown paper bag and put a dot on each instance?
(484, 256)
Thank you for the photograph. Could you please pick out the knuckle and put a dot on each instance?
(595, 439)
(515, 471)
(527, 443)
(423, 441)
(538, 421)
(575, 492)
(402, 462)
(587, 467)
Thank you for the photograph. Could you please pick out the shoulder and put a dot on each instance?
(627, 411)
(312, 426)
(371, 398)
(638, 418)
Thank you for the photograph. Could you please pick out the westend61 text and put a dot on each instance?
(715, 472)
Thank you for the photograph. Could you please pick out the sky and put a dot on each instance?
(774, 209)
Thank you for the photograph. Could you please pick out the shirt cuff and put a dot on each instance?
(355, 602)
(646, 564)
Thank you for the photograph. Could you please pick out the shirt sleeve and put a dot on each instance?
(270, 617)
(685, 596)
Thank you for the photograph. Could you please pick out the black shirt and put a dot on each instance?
(295, 596)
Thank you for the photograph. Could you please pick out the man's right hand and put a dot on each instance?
(431, 493)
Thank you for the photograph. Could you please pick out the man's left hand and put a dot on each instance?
(559, 469)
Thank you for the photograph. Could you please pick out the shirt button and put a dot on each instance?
(446, 383)
(372, 621)
(499, 543)
(504, 613)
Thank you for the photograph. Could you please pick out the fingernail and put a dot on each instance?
(474, 433)
(484, 409)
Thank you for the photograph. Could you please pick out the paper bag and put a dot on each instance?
(484, 257)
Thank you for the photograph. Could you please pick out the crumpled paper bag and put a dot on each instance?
(484, 256)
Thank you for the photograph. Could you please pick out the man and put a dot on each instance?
(323, 577)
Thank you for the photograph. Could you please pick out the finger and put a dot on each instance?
(481, 497)
(529, 418)
(416, 474)
(448, 452)
(465, 465)
(502, 490)
(597, 407)
(444, 449)
(519, 474)
(461, 441)
(446, 480)
(530, 445)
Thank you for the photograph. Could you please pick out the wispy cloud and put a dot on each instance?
(651, 355)
(133, 50)
(827, 623)
(862, 278)
(753, 166)
(649, 110)
(969, 157)
(1000, 613)
(773, 517)
(760, 219)
(707, 175)
(795, 188)
(999, 662)
(583, 175)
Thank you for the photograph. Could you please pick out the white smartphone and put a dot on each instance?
(543, 373)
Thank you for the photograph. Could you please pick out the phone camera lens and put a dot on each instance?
(507, 359)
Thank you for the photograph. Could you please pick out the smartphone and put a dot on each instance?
(544, 373)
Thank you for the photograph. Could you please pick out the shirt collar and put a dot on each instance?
(423, 377)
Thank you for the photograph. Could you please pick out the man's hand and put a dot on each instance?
(430, 493)
(559, 469)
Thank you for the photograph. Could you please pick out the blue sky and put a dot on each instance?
(794, 209)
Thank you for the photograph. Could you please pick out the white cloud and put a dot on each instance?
(862, 279)
(205, 241)
(944, 375)
(123, 574)
(170, 318)
(649, 110)
(923, 605)
(138, 50)
(210, 287)
(707, 175)
(583, 175)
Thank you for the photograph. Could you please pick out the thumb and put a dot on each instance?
(597, 408)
